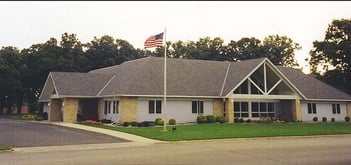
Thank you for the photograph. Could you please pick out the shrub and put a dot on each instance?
(210, 119)
(220, 119)
(172, 122)
(106, 121)
(201, 119)
(315, 119)
(248, 121)
(133, 123)
(29, 117)
(140, 124)
(347, 119)
(236, 120)
(332, 119)
(148, 123)
(159, 121)
(125, 124)
(241, 120)
(324, 119)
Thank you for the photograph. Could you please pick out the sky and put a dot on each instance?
(25, 23)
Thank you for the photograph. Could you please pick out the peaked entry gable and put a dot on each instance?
(265, 79)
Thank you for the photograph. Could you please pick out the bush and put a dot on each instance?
(220, 119)
(159, 121)
(241, 120)
(210, 119)
(248, 121)
(324, 119)
(148, 123)
(347, 119)
(201, 119)
(172, 122)
(125, 124)
(133, 123)
(106, 121)
(315, 119)
(29, 117)
(140, 124)
(236, 120)
(332, 119)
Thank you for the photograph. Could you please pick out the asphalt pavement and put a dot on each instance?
(32, 134)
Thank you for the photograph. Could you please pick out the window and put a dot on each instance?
(311, 108)
(197, 107)
(155, 106)
(336, 108)
(111, 106)
(241, 109)
(262, 109)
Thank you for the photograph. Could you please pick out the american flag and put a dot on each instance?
(154, 41)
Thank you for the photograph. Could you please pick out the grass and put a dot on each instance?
(4, 147)
(18, 116)
(221, 131)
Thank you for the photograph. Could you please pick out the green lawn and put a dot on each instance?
(5, 147)
(220, 131)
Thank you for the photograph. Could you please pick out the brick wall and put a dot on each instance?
(55, 110)
(70, 108)
(218, 107)
(128, 109)
(348, 109)
(229, 110)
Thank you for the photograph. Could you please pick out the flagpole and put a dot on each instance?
(165, 82)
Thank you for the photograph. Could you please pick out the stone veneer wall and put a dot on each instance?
(70, 108)
(128, 109)
(229, 105)
(348, 109)
(55, 110)
(298, 110)
(218, 107)
(100, 109)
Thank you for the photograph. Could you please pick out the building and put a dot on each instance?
(133, 91)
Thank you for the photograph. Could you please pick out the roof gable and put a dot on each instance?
(263, 78)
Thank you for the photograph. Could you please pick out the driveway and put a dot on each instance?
(31, 134)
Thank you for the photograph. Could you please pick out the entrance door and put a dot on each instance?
(111, 110)
(90, 109)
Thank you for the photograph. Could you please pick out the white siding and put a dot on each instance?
(323, 109)
(180, 110)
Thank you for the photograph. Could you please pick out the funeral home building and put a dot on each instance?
(249, 89)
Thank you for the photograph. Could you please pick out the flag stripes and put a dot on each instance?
(154, 41)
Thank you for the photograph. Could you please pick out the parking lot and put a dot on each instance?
(32, 134)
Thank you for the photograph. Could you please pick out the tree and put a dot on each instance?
(331, 58)
(281, 50)
(11, 70)
(245, 48)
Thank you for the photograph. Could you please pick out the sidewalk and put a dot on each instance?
(118, 134)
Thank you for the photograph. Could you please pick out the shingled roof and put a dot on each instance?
(312, 88)
(200, 78)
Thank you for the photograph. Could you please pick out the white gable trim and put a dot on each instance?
(47, 80)
(268, 63)
(245, 78)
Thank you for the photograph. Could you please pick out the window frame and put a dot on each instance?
(155, 107)
(197, 107)
(111, 107)
(336, 109)
(311, 108)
